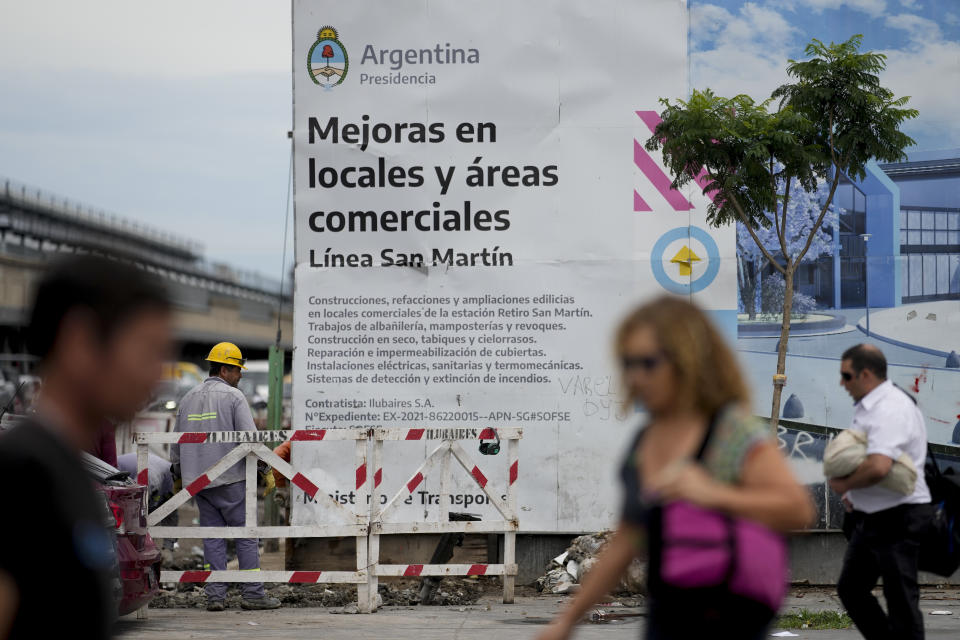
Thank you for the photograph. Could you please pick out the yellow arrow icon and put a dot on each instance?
(685, 259)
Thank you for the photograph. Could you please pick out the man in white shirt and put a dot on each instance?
(885, 540)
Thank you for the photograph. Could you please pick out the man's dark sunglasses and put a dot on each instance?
(846, 375)
(646, 363)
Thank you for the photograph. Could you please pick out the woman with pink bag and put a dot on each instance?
(707, 494)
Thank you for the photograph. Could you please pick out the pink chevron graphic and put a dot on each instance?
(639, 204)
(652, 119)
(659, 179)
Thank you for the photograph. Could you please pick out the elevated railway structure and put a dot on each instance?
(212, 302)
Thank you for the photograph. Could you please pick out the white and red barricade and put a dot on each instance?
(250, 446)
(366, 526)
(445, 454)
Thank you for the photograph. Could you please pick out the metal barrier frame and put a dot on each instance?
(448, 449)
(365, 527)
(251, 448)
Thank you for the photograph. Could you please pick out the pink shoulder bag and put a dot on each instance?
(705, 549)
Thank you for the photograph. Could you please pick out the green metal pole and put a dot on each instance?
(275, 397)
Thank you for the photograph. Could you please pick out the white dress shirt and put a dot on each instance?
(894, 425)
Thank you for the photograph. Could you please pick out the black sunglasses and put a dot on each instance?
(846, 375)
(646, 363)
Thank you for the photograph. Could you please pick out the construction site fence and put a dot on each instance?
(366, 525)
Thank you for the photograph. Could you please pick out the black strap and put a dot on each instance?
(905, 392)
(711, 427)
(930, 454)
(933, 458)
(935, 483)
(731, 541)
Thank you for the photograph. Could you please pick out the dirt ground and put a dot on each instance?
(486, 620)
(452, 592)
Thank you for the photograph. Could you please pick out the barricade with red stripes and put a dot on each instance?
(251, 447)
(366, 527)
(447, 452)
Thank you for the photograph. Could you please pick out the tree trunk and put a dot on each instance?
(751, 279)
(747, 280)
(780, 379)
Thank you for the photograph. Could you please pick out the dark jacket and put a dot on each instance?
(54, 540)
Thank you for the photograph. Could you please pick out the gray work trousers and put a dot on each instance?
(224, 507)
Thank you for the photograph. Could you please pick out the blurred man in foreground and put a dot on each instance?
(101, 330)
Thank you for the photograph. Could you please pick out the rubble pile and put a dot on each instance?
(182, 559)
(291, 595)
(568, 569)
(452, 591)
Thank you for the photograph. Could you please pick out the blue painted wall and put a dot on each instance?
(883, 249)
(931, 191)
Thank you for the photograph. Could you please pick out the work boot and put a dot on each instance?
(215, 605)
(259, 604)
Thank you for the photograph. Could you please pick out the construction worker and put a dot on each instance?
(217, 405)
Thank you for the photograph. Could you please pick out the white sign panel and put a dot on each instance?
(474, 214)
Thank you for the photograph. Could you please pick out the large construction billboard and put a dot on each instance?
(474, 213)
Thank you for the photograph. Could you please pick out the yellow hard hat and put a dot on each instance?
(227, 353)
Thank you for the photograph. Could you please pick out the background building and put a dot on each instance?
(911, 211)
(212, 302)
(929, 225)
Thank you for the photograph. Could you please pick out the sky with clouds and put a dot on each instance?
(176, 113)
(741, 47)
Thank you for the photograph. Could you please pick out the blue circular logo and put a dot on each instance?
(684, 260)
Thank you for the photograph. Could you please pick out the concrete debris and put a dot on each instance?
(339, 598)
(556, 580)
(349, 609)
(291, 595)
(587, 546)
(605, 617)
(180, 559)
(452, 591)
(568, 569)
(634, 581)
